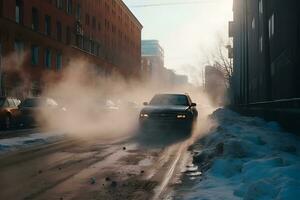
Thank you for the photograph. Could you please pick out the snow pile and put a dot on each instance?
(16, 143)
(245, 158)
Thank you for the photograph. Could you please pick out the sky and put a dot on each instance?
(187, 33)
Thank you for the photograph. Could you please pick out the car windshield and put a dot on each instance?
(36, 102)
(31, 103)
(166, 99)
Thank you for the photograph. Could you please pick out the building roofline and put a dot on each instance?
(149, 40)
(132, 15)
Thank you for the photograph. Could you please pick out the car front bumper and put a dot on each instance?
(166, 124)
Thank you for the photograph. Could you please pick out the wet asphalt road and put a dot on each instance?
(142, 167)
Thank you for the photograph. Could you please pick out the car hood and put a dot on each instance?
(164, 109)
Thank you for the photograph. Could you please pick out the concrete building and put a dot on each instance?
(266, 51)
(44, 36)
(152, 59)
(175, 79)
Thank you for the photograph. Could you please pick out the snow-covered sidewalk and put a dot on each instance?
(21, 142)
(245, 158)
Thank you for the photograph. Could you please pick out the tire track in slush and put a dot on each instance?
(159, 191)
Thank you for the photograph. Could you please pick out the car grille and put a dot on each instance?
(163, 116)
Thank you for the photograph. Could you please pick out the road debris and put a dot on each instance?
(93, 181)
(114, 184)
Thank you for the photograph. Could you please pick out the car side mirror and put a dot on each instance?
(145, 103)
(193, 105)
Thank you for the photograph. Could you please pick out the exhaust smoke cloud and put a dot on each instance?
(106, 107)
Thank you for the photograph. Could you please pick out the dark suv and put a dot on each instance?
(8, 112)
(169, 110)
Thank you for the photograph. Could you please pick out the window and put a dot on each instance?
(1, 7)
(58, 61)
(68, 35)
(35, 19)
(87, 19)
(99, 26)
(98, 49)
(271, 26)
(59, 4)
(58, 31)
(47, 25)
(94, 22)
(69, 7)
(78, 11)
(260, 7)
(34, 55)
(19, 11)
(253, 23)
(19, 47)
(48, 58)
(261, 44)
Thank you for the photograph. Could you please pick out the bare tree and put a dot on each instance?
(219, 58)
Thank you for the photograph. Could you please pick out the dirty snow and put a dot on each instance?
(30, 140)
(244, 158)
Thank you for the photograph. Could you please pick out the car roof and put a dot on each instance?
(37, 98)
(4, 97)
(180, 94)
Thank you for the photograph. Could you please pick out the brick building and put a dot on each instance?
(38, 38)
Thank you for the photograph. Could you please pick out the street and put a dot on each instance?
(149, 100)
(92, 169)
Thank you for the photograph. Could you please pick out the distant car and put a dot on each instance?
(31, 109)
(169, 110)
(128, 105)
(8, 112)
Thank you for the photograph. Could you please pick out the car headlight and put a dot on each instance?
(181, 116)
(144, 115)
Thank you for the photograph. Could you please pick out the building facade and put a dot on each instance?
(266, 50)
(152, 59)
(38, 38)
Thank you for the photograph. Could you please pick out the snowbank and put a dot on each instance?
(245, 158)
(16, 143)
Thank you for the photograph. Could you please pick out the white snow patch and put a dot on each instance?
(249, 159)
(16, 143)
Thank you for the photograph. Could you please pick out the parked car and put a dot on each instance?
(8, 111)
(31, 110)
(169, 110)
